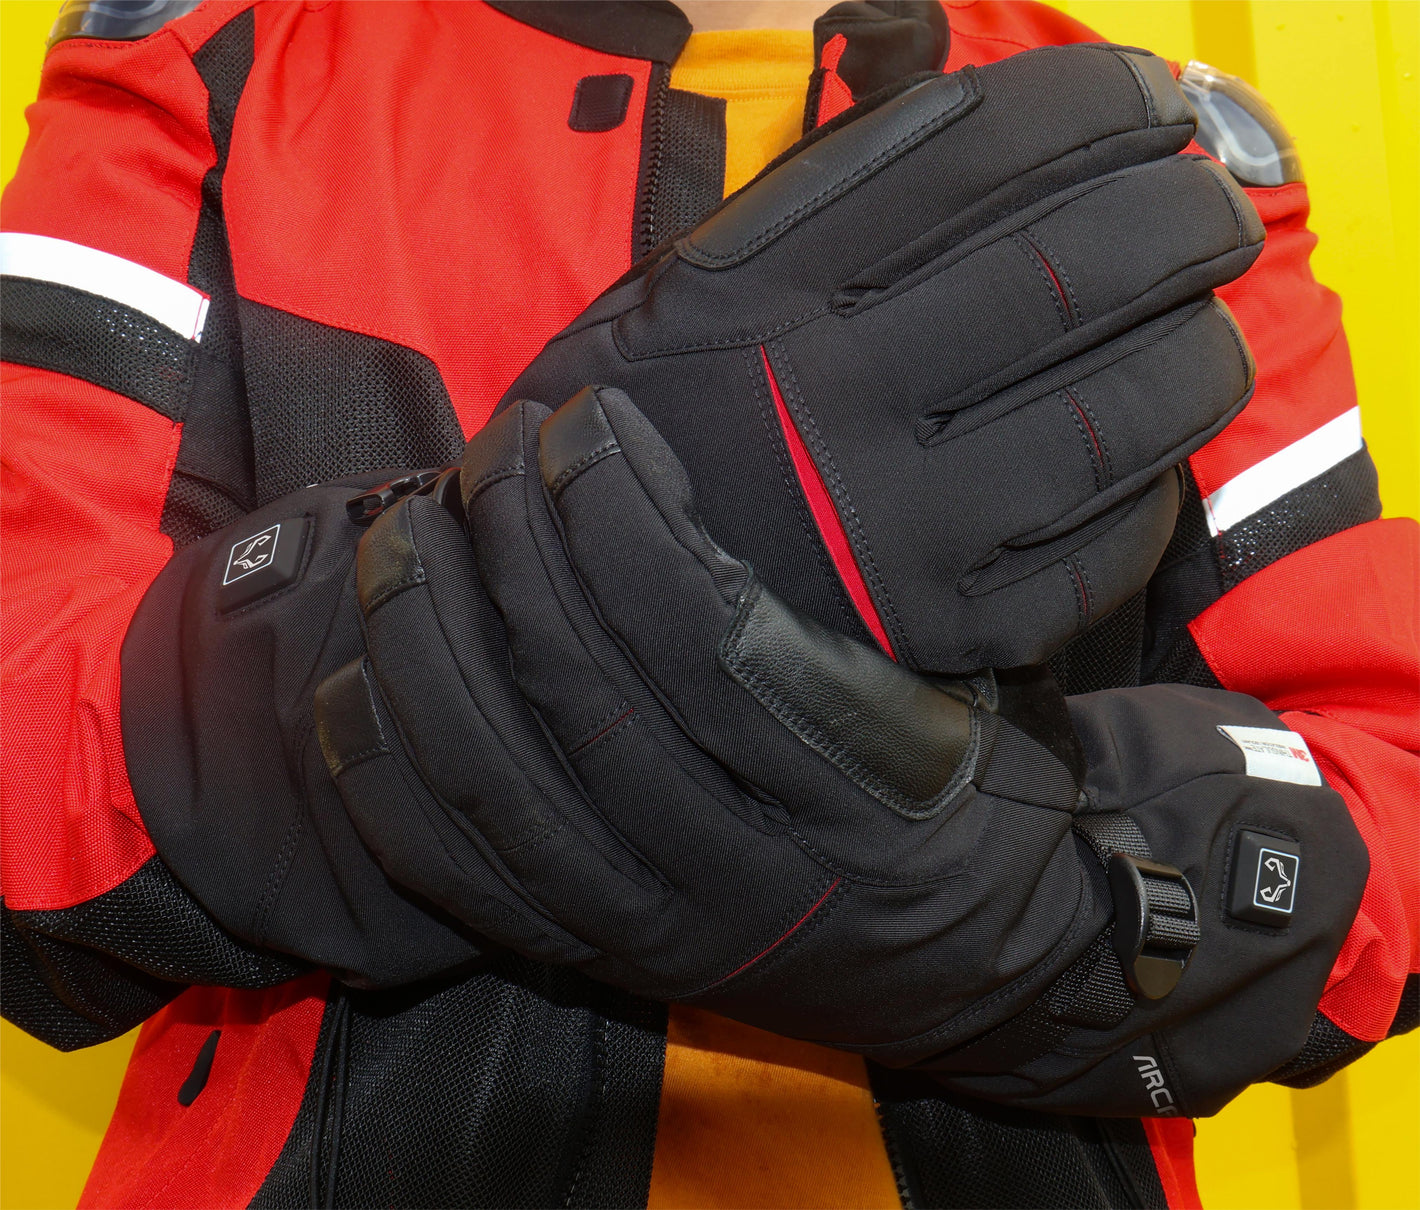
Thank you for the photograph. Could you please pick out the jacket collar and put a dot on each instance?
(634, 29)
(886, 38)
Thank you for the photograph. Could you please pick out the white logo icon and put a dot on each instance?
(252, 554)
(1273, 893)
(1276, 880)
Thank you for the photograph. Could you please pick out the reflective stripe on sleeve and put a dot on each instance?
(1255, 488)
(173, 304)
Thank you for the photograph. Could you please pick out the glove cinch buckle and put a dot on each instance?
(1155, 923)
(364, 508)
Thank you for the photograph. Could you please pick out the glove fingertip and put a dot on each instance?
(576, 437)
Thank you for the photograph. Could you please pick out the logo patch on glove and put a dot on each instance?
(250, 555)
(1263, 885)
(1275, 755)
(260, 563)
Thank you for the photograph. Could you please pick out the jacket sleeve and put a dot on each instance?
(1284, 583)
(114, 314)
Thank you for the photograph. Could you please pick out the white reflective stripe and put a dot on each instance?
(1276, 475)
(173, 304)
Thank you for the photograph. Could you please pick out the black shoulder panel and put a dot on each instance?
(1239, 128)
(116, 20)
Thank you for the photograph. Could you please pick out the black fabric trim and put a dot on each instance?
(690, 181)
(519, 1085)
(214, 480)
(947, 1151)
(887, 39)
(1344, 496)
(150, 921)
(69, 331)
(649, 29)
(69, 996)
(599, 103)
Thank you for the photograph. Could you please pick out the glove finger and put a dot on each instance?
(635, 763)
(826, 711)
(417, 842)
(1099, 412)
(439, 656)
(518, 553)
(660, 791)
(962, 148)
(1044, 285)
(1105, 442)
(1061, 586)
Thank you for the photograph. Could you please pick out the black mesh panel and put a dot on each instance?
(70, 996)
(1341, 497)
(1182, 664)
(151, 922)
(682, 176)
(1184, 584)
(73, 332)
(949, 1152)
(693, 180)
(1329, 1048)
(1107, 655)
(520, 1085)
(325, 403)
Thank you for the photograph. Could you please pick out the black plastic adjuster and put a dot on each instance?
(365, 507)
(1155, 923)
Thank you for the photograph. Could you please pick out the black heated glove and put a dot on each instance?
(980, 303)
(220, 666)
(593, 735)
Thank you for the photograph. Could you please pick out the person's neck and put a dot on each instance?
(752, 14)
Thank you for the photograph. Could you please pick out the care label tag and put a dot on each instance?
(1275, 755)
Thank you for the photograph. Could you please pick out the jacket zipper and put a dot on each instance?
(653, 139)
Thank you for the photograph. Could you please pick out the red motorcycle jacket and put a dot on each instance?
(254, 246)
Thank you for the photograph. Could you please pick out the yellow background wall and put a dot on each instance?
(1343, 74)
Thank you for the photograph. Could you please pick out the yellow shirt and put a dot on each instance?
(747, 1118)
(762, 75)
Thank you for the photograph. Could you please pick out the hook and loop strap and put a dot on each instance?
(1155, 910)
(1140, 955)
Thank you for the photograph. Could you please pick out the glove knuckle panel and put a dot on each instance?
(830, 168)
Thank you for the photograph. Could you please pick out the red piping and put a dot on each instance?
(1054, 281)
(1089, 428)
(775, 944)
(825, 516)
